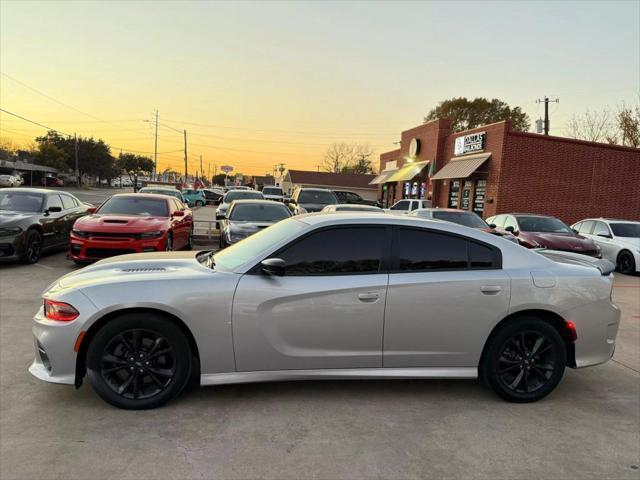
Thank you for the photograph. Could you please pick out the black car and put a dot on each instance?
(346, 197)
(246, 217)
(33, 220)
(308, 200)
(212, 196)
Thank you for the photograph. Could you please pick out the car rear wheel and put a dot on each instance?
(626, 263)
(33, 249)
(525, 360)
(139, 361)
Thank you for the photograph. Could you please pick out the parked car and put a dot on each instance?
(308, 200)
(543, 231)
(310, 298)
(230, 196)
(194, 198)
(9, 181)
(273, 193)
(408, 205)
(33, 220)
(213, 195)
(246, 217)
(52, 182)
(345, 197)
(619, 241)
(351, 208)
(130, 223)
(173, 192)
(462, 217)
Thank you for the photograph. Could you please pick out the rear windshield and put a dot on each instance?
(626, 229)
(543, 224)
(258, 212)
(461, 218)
(272, 191)
(242, 194)
(317, 196)
(147, 207)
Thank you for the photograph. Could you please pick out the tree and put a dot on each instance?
(467, 114)
(49, 155)
(592, 125)
(362, 162)
(135, 165)
(7, 149)
(348, 158)
(628, 120)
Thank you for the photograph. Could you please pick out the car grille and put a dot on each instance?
(107, 252)
(109, 235)
(6, 250)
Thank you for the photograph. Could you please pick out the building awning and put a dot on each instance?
(461, 167)
(382, 178)
(407, 172)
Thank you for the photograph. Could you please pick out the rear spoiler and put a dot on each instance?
(604, 266)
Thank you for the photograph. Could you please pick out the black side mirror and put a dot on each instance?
(273, 266)
(574, 231)
(510, 229)
(54, 209)
(492, 225)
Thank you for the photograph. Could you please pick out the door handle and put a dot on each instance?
(491, 289)
(368, 297)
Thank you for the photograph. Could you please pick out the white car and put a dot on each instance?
(619, 240)
(9, 181)
(273, 193)
(351, 207)
(408, 205)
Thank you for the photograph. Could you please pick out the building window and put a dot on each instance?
(454, 191)
(478, 196)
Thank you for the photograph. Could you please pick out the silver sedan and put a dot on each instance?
(328, 296)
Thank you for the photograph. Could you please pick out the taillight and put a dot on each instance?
(571, 329)
(59, 311)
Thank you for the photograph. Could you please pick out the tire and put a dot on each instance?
(138, 361)
(190, 240)
(199, 203)
(168, 247)
(514, 372)
(33, 247)
(626, 264)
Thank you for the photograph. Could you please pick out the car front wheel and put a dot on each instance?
(626, 263)
(33, 248)
(525, 360)
(139, 361)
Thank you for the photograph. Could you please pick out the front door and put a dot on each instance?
(445, 295)
(54, 224)
(327, 311)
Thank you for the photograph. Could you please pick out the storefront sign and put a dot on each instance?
(469, 143)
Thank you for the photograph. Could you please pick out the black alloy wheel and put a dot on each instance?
(626, 263)
(525, 360)
(139, 360)
(33, 249)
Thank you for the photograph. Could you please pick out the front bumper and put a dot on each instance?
(95, 248)
(12, 247)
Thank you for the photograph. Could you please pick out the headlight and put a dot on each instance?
(145, 235)
(80, 233)
(9, 231)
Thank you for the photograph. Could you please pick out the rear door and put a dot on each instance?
(327, 311)
(602, 236)
(446, 292)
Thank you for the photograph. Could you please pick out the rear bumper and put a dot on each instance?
(92, 249)
(596, 327)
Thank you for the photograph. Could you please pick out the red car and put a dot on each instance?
(131, 223)
(542, 231)
(52, 182)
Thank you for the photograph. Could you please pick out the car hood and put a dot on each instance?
(133, 267)
(12, 219)
(119, 223)
(559, 241)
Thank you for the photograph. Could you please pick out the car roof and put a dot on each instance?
(34, 190)
(355, 206)
(157, 196)
(606, 220)
(315, 188)
(167, 189)
(453, 210)
(257, 201)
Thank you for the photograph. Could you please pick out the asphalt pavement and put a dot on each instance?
(588, 428)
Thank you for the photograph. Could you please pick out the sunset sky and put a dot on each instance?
(262, 83)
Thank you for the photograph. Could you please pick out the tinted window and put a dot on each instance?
(414, 205)
(601, 229)
(67, 202)
(21, 201)
(272, 191)
(626, 229)
(542, 224)
(242, 194)
(317, 196)
(54, 201)
(462, 218)
(402, 205)
(585, 227)
(480, 256)
(258, 212)
(138, 205)
(336, 251)
(424, 250)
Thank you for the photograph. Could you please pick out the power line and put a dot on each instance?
(34, 122)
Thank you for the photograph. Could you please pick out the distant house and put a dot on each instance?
(353, 182)
(258, 181)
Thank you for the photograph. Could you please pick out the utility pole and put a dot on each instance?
(546, 101)
(185, 156)
(201, 171)
(155, 150)
(75, 148)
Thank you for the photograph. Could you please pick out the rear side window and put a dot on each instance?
(424, 250)
(336, 251)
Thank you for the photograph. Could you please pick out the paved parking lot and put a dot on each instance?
(588, 428)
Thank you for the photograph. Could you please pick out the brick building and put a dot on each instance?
(493, 169)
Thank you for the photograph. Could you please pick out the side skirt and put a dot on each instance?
(338, 374)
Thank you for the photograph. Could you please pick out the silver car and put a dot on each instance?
(310, 298)
(246, 217)
(232, 195)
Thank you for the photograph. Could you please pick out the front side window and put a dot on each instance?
(601, 229)
(336, 251)
(54, 201)
(67, 202)
(586, 227)
(498, 221)
(401, 205)
(511, 222)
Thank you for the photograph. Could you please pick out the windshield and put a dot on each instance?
(321, 197)
(543, 224)
(258, 212)
(21, 201)
(241, 195)
(258, 243)
(461, 218)
(626, 229)
(272, 191)
(148, 207)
